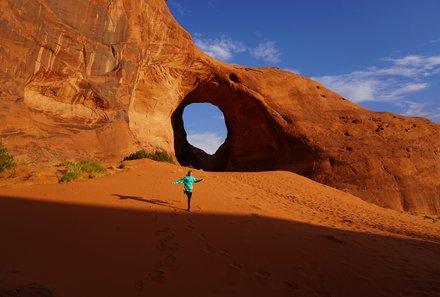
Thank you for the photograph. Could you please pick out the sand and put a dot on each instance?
(250, 234)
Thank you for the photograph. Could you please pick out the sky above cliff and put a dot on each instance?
(383, 55)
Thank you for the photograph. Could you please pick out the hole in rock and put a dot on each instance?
(205, 128)
(233, 77)
(253, 139)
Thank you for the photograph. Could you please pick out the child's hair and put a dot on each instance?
(189, 172)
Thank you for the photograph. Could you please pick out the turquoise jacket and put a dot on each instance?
(188, 181)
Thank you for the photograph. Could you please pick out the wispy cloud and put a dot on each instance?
(417, 109)
(207, 141)
(353, 86)
(416, 65)
(222, 48)
(404, 89)
(434, 41)
(404, 76)
(225, 49)
(268, 52)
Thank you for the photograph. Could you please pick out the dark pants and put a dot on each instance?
(188, 194)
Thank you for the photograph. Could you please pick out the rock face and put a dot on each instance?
(99, 79)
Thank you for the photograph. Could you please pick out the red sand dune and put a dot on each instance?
(250, 234)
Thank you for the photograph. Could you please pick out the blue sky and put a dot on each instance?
(381, 54)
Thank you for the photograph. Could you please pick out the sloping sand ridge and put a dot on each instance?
(251, 234)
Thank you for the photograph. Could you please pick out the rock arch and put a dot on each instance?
(255, 141)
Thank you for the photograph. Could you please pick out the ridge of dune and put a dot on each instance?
(251, 234)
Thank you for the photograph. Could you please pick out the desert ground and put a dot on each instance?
(250, 234)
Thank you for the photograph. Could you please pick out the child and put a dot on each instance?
(188, 181)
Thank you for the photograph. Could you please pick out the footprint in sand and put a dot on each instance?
(189, 227)
(167, 245)
(33, 289)
(189, 224)
(169, 262)
(165, 233)
(291, 285)
(347, 221)
(225, 253)
(202, 237)
(157, 276)
(262, 274)
(332, 239)
(236, 265)
(209, 250)
(166, 241)
(140, 285)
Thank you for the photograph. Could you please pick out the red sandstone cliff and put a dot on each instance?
(99, 79)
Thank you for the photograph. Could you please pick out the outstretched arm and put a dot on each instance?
(178, 181)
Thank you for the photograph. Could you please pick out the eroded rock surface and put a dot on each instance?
(99, 79)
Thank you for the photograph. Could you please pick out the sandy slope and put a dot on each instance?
(251, 234)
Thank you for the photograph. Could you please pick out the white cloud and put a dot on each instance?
(417, 109)
(404, 89)
(404, 76)
(207, 141)
(222, 48)
(267, 52)
(434, 41)
(417, 62)
(352, 86)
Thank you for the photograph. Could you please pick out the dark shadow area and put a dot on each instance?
(80, 250)
(151, 201)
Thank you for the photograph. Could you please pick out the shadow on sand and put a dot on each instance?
(83, 250)
(151, 201)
